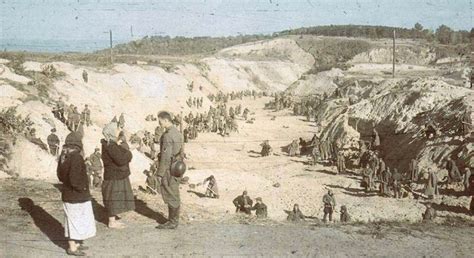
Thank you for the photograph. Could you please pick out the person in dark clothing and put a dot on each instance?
(171, 150)
(430, 213)
(85, 76)
(243, 203)
(53, 142)
(260, 208)
(296, 214)
(345, 217)
(211, 191)
(116, 188)
(266, 149)
(79, 217)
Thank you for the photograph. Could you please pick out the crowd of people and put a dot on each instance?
(70, 115)
(108, 167)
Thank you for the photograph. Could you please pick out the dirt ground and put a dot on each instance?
(31, 212)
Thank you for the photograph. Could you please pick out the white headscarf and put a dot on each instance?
(110, 132)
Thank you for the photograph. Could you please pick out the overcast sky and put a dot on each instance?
(89, 19)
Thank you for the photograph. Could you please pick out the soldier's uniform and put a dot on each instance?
(171, 144)
(329, 203)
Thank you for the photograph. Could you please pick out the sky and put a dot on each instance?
(88, 20)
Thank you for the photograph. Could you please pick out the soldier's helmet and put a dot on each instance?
(178, 168)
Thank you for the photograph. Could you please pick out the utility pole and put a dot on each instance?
(131, 31)
(111, 50)
(393, 67)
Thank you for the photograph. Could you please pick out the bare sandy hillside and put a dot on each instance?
(361, 93)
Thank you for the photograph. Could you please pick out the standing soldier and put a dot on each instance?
(86, 115)
(60, 108)
(341, 162)
(171, 144)
(329, 202)
(85, 76)
(96, 165)
(413, 168)
(53, 142)
(121, 121)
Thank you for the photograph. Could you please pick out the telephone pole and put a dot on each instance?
(393, 66)
(111, 50)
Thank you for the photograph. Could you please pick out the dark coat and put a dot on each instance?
(116, 159)
(239, 201)
(71, 171)
(260, 210)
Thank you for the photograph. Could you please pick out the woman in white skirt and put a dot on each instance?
(79, 222)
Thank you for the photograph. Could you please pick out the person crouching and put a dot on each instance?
(79, 222)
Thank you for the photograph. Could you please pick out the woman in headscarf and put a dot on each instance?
(79, 223)
(116, 188)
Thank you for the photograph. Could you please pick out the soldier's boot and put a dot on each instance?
(173, 219)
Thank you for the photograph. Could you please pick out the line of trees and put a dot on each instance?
(443, 34)
(165, 45)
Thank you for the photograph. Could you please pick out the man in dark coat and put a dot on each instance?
(53, 142)
(96, 167)
(243, 203)
(171, 145)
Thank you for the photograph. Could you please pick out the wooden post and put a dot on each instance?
(393, 67)
(111, 51)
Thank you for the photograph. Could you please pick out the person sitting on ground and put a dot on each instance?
(151, 182)
(345, 217)
(296, 214)
(266, 149)
(430, 213)
(243, 203)
(260, 208)
(293, 148)
(211, 191)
